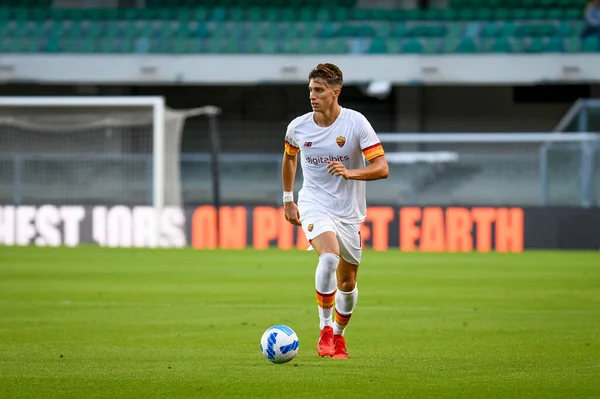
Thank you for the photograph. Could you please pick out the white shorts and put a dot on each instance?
(315, 222)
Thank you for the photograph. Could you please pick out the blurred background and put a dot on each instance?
(477, 102)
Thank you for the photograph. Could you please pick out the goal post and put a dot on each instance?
(93, 150)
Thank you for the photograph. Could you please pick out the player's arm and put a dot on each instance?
(375, 170)
(288, 171)
(288, 176)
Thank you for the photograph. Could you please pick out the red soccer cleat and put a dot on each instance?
(326, 347)
(340, 347)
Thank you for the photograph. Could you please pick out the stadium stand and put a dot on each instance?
(297, 27)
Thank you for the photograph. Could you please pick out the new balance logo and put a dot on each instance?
(308, 144)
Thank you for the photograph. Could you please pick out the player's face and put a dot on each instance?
(321, 95)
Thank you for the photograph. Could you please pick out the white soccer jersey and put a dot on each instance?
(350, 139)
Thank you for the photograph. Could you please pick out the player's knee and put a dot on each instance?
(346, 283)
(329, 261)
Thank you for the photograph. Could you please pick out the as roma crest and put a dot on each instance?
(341, 140)
(310, 227)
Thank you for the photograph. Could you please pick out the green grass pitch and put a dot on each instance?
(104, 323)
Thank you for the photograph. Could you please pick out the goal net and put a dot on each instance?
(91, 150)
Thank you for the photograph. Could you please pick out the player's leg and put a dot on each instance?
(345, 302)
(346, 296)
(347, 290)
(320, 231)
(328, 249)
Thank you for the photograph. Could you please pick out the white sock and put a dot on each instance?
(345, 302)
(325, 284)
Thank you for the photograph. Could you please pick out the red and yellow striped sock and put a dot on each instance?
(341, 321)
(325, 303)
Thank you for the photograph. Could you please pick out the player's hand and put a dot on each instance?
(337, 168)
(291, 213)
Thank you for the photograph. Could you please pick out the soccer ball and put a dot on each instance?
(279, 344)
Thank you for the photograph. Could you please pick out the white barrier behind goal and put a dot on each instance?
(91, 150)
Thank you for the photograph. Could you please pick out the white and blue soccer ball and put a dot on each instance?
(279, 344)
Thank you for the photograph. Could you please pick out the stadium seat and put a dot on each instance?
(509, 29)
(590, 44)
(393, 46)
(383, 30)
(572, 44)
(412, 46)
(490, 30)
(502, 45)
(535, 45)
(554, 45)
(399, 29)
(268, 46)
(341, 15)
(87, 46)
(466, 45)
(378, 46)
(326, 30)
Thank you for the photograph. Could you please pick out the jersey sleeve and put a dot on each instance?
(369, 142)
(291, 146)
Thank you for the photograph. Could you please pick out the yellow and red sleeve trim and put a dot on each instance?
(341, 319)
(290, 149)
(325, 301)
(373, 151)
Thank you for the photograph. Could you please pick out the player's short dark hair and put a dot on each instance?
(330, 73)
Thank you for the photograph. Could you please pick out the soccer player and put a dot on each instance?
(333, 142)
